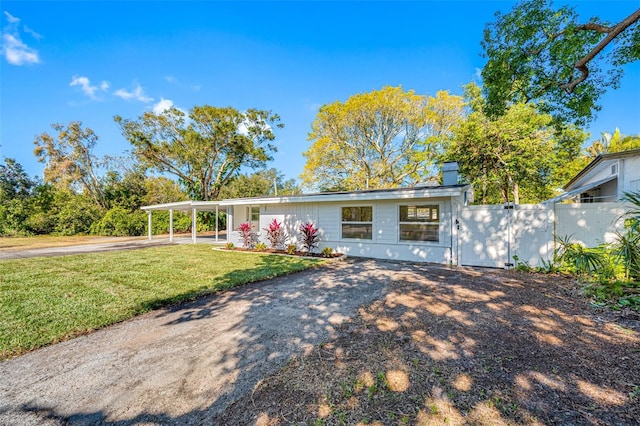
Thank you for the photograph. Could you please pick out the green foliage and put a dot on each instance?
(578, 258)
(261, 246)
(381, 139)
(204, 150)
(292, 249)
(327, 252)
(69, 160)
(43, 302)
(229, 246)
(119, 222)
(521, 265)
(74, 214)
(537, 53)
(514, 157)
(259, 184)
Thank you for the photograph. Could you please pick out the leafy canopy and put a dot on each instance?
(542, 54)
(514, 157)
(380, 139)
(205, 149)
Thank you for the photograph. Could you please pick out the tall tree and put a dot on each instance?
(380, 139)
(538, 53)
(511, 158)
(14, 181)
(69, 159)
(205, 149)
(261, 183)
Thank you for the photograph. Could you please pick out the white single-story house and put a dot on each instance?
(605, 179)
(416, 223)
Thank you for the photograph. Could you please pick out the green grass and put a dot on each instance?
(45, 300)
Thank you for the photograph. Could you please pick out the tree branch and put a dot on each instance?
(613, 32)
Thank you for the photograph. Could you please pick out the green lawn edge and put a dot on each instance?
(48, 300)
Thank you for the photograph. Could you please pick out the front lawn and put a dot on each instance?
(45, 300)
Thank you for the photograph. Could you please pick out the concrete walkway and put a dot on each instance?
(186, 364)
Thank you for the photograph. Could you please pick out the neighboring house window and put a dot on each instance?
(420, 223)
(357, 222)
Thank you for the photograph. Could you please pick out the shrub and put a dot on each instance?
(580, 259)
(229, 246)
(248, 235)
(118, 222)
(276, 235)
(327, 251)
(291, 249)
(261, 247)
(310, 236)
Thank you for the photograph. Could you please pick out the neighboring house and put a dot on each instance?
(605, 179)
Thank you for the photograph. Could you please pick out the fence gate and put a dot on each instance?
(485, 236)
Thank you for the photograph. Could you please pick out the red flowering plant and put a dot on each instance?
(310, 236)
(248, 235)
(276, 235)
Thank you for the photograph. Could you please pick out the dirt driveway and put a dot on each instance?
(373, 342)
(184, 365)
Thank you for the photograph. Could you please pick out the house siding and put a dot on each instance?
(327, 216)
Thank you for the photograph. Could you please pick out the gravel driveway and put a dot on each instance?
(182, 365)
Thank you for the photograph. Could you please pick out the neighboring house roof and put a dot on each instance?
(599, 159)
(343, 196)
(592, 175)
(578, 190)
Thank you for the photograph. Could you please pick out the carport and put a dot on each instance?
(182, 206)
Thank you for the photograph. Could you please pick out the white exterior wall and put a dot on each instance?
(385, 243)
(629, 179)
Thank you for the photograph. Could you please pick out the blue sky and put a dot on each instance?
(90, 60)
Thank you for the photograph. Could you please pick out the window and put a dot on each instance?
(420, 223)
(357, 222)
(253, 216)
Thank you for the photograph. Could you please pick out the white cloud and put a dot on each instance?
(137, 94)
(12, 19)
(162, 106)
(86, 86)
(16, 51)
(478, 74)
(33, 33)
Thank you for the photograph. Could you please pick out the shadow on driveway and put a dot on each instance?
(185, 364)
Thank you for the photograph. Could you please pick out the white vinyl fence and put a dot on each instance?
(491, 235)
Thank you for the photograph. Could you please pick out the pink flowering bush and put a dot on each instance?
(248, 235)
(276, 235)
(310, 236)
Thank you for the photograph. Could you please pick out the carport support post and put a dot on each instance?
(149, 223)
(170, 225)
(193, 225)
(216, 223)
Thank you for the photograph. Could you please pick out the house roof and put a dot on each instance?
(579, 190)
(342, 196)
(600, 159)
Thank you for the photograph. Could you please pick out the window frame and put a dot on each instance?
(430, 222)
(356, 222)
